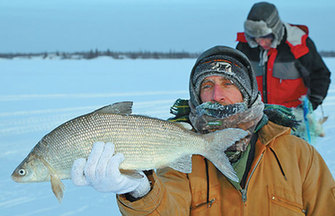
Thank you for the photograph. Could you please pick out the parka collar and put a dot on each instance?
(271, 131)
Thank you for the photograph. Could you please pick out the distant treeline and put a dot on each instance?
(117, 55)
(327, 53)
(97, 53)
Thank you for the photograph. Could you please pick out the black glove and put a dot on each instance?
(315, 100)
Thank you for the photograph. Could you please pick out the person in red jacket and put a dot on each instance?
(285, 59)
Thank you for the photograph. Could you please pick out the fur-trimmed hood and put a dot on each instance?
(263, 19)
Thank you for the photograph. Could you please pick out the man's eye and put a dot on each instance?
(206, 86)
(228, 84)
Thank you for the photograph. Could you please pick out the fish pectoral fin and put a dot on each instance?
(124, 107)
(57, 187)
(183, 164)
(132, 173)
(185, 125)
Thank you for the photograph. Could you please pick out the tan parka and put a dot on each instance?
(287, 177)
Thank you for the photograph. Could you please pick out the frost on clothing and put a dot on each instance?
(239, 72)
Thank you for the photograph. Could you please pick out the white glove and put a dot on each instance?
(101, 171)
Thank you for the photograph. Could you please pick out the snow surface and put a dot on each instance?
(37, 95)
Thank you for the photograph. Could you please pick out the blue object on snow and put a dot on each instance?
(305, 108)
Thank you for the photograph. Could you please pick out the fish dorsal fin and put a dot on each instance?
(124, 107)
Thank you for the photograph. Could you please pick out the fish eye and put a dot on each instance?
(22, 172)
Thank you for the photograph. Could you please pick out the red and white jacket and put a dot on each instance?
(292, 69)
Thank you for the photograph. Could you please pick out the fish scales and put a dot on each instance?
(74, 142)
(148, 141)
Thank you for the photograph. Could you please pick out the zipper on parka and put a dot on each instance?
(265, 94)
(244, 190)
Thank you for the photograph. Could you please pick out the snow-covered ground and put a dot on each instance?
(37, 95)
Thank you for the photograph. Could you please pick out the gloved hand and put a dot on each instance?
(315, 100)
(101, 171)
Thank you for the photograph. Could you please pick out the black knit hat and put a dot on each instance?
(263, 19)
(229, 63)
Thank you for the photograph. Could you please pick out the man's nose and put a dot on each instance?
(261, 42)
(218, 94)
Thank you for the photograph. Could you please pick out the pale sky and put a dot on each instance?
(146, 25)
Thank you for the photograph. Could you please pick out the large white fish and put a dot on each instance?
(147, 143)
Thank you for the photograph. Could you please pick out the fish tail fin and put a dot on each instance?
(217, 143)
(57, 187)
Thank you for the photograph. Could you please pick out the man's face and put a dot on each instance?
(220, 90)
(264, 42)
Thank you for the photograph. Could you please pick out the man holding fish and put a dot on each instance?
(277, 173)
(230, 160)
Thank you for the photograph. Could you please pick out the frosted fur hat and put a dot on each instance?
(263, 19)
(226, 62)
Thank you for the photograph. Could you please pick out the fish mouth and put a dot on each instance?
(15, 177)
